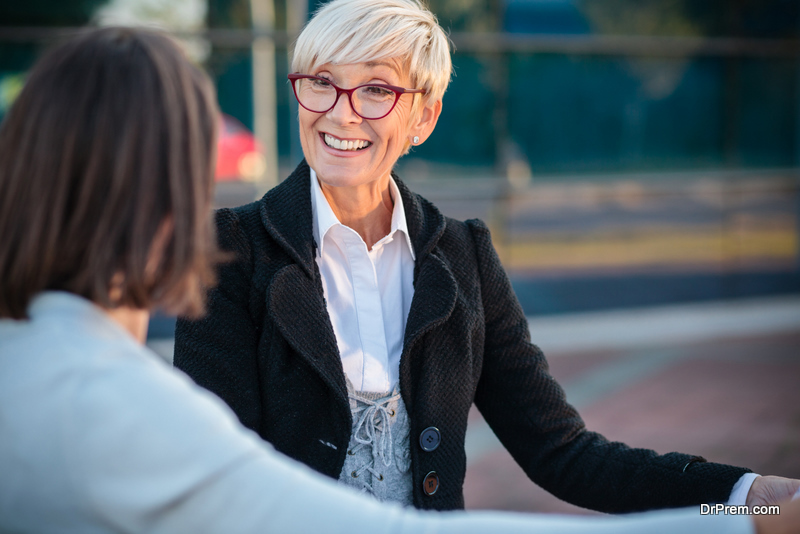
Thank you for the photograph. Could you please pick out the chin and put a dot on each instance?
(338, 177)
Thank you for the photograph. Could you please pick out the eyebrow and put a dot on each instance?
(382, 64)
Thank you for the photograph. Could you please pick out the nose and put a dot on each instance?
(342, 112)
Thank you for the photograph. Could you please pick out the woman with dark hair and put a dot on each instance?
(105, 186)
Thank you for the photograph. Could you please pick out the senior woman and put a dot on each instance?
(357, 325)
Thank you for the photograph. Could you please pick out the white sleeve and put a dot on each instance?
(270, 493)
(154, 453)
(740, 490)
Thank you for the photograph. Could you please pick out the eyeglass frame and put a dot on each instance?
(398, 91)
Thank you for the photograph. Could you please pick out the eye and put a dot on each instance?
(376, 93)
(320, 82)
(377, 90)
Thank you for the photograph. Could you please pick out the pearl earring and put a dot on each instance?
(416, 140)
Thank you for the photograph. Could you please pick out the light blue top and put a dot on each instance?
(98, 434)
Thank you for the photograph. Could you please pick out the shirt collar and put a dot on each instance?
(324, 218)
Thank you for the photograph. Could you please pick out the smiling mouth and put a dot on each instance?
(341, 144)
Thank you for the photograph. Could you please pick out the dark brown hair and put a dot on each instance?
(106, 176)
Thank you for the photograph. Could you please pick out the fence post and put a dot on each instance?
(264, 102)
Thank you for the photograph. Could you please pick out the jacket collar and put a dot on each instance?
(286, 215)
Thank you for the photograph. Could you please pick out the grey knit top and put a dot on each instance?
(378, 460)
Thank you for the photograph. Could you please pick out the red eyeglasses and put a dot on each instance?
(371, 101)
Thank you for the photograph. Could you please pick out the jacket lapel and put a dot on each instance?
(435, 287)
(286, 213)
(295, 299)
(434, 299)
(297, 307)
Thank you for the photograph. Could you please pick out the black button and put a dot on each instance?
(430, 439)
(431, 483)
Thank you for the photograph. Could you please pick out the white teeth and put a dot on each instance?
(340, 144)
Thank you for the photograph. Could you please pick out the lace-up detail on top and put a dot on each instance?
(378, 456)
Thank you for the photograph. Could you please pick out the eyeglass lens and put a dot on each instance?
(369, 101)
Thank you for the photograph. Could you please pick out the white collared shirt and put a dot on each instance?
(367, 292)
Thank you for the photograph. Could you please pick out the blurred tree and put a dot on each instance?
(228, 14)
(48, 12)
(689, 18)
(632, 17)
(15, 58)
(468, 15)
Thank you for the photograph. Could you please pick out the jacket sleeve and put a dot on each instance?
(528, 411)
(219, 351)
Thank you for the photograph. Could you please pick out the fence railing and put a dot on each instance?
(617, 45)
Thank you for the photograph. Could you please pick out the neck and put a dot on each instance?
(366, 208)
(133, 320)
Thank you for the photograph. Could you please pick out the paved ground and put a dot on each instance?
(719, 380)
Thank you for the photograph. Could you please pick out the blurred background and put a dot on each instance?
(638, 163)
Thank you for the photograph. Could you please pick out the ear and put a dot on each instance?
(424, 123)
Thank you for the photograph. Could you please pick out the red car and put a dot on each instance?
(239, 156)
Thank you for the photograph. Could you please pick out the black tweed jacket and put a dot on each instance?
(267, 348)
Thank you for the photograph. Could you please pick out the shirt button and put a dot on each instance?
(430, 439)
(431, 483)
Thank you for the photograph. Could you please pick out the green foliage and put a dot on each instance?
(47, 12)
(468, 15)
(228, 14)
(690, 18)
(631, 17)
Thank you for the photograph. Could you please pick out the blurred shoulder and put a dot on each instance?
(237, 224)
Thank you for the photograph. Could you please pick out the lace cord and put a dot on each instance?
(374, 430)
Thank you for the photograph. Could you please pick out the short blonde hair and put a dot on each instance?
(357, 31)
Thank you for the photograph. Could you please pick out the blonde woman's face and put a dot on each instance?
(346, 150)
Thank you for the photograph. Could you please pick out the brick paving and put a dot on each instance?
(735, 400)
